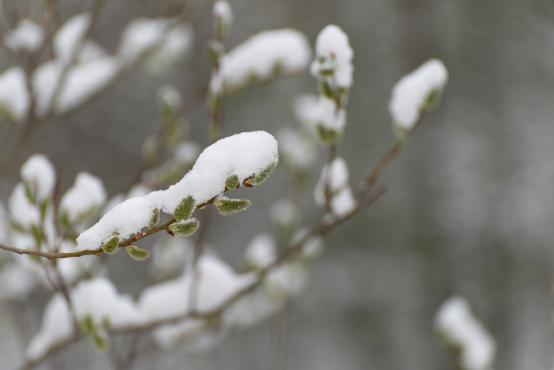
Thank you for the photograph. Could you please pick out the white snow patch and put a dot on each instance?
(244, 155)
(333, 56)
(26, 36)
(411, 92)
(285, 51)
(457, 324)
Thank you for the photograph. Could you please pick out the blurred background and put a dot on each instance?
(469, 208)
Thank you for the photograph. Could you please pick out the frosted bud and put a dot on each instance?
(39, 177)
(184, 228)
(261, 252)
(136, 253)
(184, 209)
(170, 99)
(227, 206)
(111, 245)
(223, 15)
(333, 60)
(417, 93)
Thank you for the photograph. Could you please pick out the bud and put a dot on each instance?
(228, 207)
(184, 228)
(111, 245)
(264, 174)
(232, 182)
(184, 209)
(136, 253)
(154, 219)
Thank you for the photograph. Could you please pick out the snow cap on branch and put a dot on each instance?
(334, 179)
(251, 156)
(70, 35)
(417, 93)
(460, 328)
(223, 14)
(39, 176)
(26, 36)
(86, 195)
(14, 99)
(162, 41)
(262, 57)
(96, 299)
(333, 58)
(261, 251)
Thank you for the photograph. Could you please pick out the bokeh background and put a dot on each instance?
(469, 208)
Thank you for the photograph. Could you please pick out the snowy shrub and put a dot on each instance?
(60, 239)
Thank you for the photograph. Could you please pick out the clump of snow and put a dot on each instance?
(87, 194)
(333, 57)
(334, 176)
(284, 213)
(161, 40)
(216, 283)
(14, 99)
(170, 255)
(244, 155)
(315, 113)
(259, 58)
(312, 247)
(287, 280)
(461, 329)
(70, 35)
(39, 175)
(26, 36)
(261, 251)
(170, 97)
(223, 13)
(187, 152)
(97, 299)
(296, 149)
(410, 95)
(83, 81)
(22, 211)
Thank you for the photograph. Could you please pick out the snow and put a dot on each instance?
(314, 112)
(39, 174)
(284, 213)
(313, 246)
(70, 35)
(457, 324)
(261, 251)
(87, 194)
(287, 280)
(170, 256)
(333, 55)
(223, 12)
(170, 97)
(22, 211)
(335, 175)
(216, 283)
(187, 152)
(163, 39)
(244, 155)
(297, 150)
(96, 298)
(26, 36)
(257, 59)
(411, 93)
(14, 99)
(253, 308)
(83, 81)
